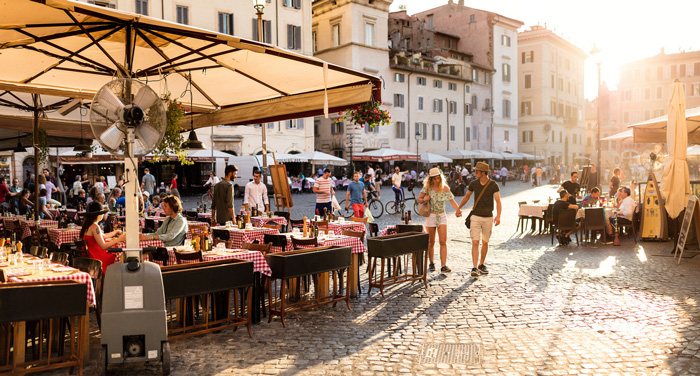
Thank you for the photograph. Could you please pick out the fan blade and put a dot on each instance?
(113, 137)
(110, 102)
(145, 98)
(147, 134)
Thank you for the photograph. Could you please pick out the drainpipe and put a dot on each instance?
(447, 102)
(408, 121)
(162, 9)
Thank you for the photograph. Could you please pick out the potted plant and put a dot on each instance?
(369, 114)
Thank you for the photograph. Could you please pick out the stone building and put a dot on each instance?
(550, 96)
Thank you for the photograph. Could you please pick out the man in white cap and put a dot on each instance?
(485, 191)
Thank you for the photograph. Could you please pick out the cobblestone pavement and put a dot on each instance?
(543, 310)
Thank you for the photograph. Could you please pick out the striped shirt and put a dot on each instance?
(324, 185)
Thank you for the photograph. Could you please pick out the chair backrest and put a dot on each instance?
(594, 218)
(81, 247)
(59, 257)
(549, 213)
(521, 203)
(158, 254)
(373, 229)
(89, 265)
(221, 234)
(36, 239)
(322, 224)
(3, 275)
(276, 240)
(297, 222)
(188, 256)
(264, 248)
(298, 243)
(567, 219)
(355, 219)
(44, 234)
(272, 226)
(357, 234)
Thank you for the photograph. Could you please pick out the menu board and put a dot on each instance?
(691, 212)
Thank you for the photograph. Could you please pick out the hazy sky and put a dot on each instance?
(625, 30)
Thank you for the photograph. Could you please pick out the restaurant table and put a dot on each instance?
(261, 220)
(8, 222)
(71, 213)
(237, 236)
(59, 236)
(534, 211)
(337, 227)
(581, 213)
(203, 215)
(61, 273)
(358, 248)
(142, 244)
(386, 230)
(259, 262)
(26, 231)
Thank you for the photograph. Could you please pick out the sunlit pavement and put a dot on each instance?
(543, 310)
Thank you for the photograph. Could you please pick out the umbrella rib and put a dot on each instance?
(71, 55)
(54, 45)
(170, 61)
(100, 73)
(260, 82)
(58, 104)
(29, 107)
(164, 56)
(119, 67)
(61, 35)
(7, 103)
(172, 66)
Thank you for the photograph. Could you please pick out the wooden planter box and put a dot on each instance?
(397, 248)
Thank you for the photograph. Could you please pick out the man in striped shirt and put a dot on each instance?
(323, 188)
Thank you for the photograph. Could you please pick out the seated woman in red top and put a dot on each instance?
(96, 241)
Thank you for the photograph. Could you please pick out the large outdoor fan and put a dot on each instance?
(652, 158)
(124, 106)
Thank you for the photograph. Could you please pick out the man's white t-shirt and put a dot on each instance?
(370, 172)
(396, 179)
(465, 172)
(627, 208)
(504, 172)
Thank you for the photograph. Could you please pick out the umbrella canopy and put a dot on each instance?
(693, 150)
(675, 181)
(510, 156)
(71, 49)
(530, 157)
(461, 154)
(282, 158)
(653, 130)
(381, 155)
(628, 134)
(434, 158)
(489, 154)
(317, 157)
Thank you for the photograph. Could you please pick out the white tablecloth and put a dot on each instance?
(536, 210)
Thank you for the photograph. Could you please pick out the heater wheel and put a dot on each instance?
(165, 358)
(102, 361)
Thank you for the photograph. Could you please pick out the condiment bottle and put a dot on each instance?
(305, 228)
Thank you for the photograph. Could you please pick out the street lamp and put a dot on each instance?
(596, 52)
(259, 5)
(352, 165)
(417, 153)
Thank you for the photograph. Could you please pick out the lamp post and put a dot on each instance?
(596, 52)
(259, 5)
(352, 165)
(417, 153)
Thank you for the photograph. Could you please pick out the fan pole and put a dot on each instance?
(132, 212)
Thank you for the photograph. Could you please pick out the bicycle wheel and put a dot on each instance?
(376, 208)
(347, 213)
(391, 207)
(415, 206)
(206, 198)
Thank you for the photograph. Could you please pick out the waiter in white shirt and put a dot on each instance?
(256, 194)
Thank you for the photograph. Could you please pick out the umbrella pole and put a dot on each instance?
(35, 99)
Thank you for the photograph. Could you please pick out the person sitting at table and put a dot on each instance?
(113, 197)
(96, 241)
(173, 230)
(24, 203)
(156, 202)
(592, 198)
(625, 210)
(560, 206)
(79, 199)
(43, 208)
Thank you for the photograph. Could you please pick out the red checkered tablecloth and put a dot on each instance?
(24, 226)
(59, 236)
(142, 221)
(384, 232)
(338, 227)
(203, 215)
(237, 236)
(358, 246)
(78, 277)
(142, 244)
(8, 222)
(71, 213)
(260, 220)
(259, 262)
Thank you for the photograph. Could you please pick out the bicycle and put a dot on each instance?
(391, 207)
(375, 207)
(207, 197)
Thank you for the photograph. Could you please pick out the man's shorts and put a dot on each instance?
(481, 229)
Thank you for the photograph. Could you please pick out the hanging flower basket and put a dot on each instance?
(369, 114)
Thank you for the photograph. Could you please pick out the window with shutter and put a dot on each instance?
(297, 4)
(141, 7)
(226, 23)
(452, 132)
(255, 29)
(297, 37)
(182, 14)
(270, 125)
(300, 123)
(290, 37)
(467, 134)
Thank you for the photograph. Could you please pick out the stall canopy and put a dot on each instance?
(434, 158)
(654, 130)
(461, 154)
(628, 134)
(383, 155)
(282, 158)
(70, 49)
(320, 158)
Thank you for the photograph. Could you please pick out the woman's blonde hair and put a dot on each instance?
(443, 181)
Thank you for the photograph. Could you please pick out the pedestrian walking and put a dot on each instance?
(148, 182)
(437, 192)
(323, 188)
(615, 181)
(222, 202)
(173, 187)
(482, 221)
(538, 176)
(356, 196)
(504, 175)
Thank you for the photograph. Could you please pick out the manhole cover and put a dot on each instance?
(462, 353)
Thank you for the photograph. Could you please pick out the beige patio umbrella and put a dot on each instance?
(675, 182)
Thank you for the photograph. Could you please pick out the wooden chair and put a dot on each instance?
(80, 248)
(593, 220)
(276, 240)
(264, 248)
(93, 267)
(567, 222)
(373, 229)
(36, 239)
(44, 239)
(626, 224)
(158, 254)
(357, 234)
(304, 243)
(296, 223)
(17, 230)
(188, 256)
(41, 252)
(274, 226)
(322, 225)
(522, 219)
(59, 257)
(287, 217)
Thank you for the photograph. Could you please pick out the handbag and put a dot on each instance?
(468, 220)
(423, 209)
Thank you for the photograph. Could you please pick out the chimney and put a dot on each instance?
(461, 3)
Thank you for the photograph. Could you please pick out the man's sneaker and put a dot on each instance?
(431, 267)
(475, 272)
(483, 270)
(445, 269)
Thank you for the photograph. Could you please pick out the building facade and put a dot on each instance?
(286, 23)
(550, 97)
(611, 151)
(492, 39)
